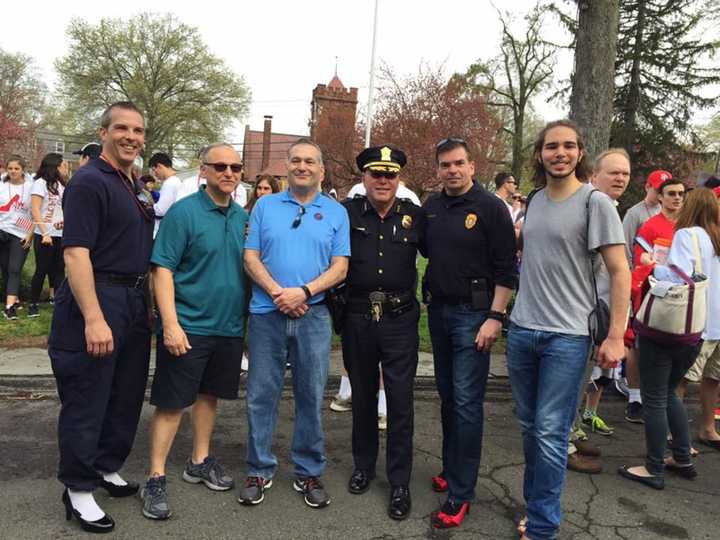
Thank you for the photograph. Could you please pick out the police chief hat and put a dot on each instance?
(381, 158)
(91, 149)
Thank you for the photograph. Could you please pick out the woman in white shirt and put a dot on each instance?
(662, 366)
(47, 192)
(15, 223)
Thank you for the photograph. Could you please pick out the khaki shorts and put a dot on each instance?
(707, 364)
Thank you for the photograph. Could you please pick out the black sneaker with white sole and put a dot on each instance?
(253, 492)
(10, 313)
(634, 413)
(209, 472)
(155, 499)
(33, 311)
(313, 491)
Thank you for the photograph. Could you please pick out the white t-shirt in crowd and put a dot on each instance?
(51, 211)
(508, 206)
(191, 185)
(15, 216)
(403, 192)
(168, 195)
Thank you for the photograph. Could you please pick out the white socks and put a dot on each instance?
(345, 390)
(84, 502)
(244, 362)
(382, 404)
(114, 478)
(634, 395)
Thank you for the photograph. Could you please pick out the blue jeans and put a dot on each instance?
(461, 373)
(273, 340)
(546, 369)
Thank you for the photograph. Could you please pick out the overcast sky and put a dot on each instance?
(284, 48)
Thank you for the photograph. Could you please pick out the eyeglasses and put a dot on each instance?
(298, 218)
(389, 175)
(222, 167)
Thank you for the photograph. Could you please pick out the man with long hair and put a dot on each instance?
(549, 342)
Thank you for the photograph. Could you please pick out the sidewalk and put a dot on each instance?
(34, 362)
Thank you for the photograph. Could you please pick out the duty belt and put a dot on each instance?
(133, 281)
(379, 303)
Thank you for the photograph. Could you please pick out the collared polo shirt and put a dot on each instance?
(295, 256)
(203, 247)
(102, 214)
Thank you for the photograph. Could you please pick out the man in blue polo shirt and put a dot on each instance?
(297, 248)
(200, 290)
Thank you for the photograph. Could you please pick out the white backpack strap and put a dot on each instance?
(697, 266)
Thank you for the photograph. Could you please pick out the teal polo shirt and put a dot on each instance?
(203, 248)
(297, 255)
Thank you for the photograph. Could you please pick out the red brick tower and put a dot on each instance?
(332, 126)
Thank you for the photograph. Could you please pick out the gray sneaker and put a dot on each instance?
(155, 499)
(313, 490)
(209, 472)
(253, 492)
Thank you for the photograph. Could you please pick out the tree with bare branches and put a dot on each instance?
(523, 68)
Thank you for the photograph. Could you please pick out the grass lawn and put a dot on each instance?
(26, 332)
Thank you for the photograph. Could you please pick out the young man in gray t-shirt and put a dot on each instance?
(549, 343)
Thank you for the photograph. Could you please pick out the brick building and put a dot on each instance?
(332, 126)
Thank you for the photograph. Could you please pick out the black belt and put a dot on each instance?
(450, 300)
(134, 281)
(361, 302)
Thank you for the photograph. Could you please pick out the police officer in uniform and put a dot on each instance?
(99, 341)
(471, 272)
(381, 321)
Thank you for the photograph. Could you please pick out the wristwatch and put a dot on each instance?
(496, 316)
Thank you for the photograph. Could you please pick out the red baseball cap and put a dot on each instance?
(716, 191)
(656, 178)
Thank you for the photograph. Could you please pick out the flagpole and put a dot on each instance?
(371, 88)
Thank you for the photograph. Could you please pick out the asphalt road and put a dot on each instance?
(596, 507)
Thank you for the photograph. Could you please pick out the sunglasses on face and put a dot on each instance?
(389, 175)
(451, 140)
(221, 167)
(298, 218)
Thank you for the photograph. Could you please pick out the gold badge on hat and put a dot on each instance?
(385, 153)
(406, 221)
(470, 221)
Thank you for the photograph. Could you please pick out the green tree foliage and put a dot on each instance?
(189, 96)
(663, 74)
(22, 98)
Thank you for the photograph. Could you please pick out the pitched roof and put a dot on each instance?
(336, 83)
(252, 153)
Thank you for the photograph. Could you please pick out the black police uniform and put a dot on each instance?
(102, 397)
(470, 245)
(386, 332)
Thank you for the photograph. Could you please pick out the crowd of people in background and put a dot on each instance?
(281, 269)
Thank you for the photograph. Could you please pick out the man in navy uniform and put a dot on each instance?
(470, 276)
(381, 325)
(99, 342)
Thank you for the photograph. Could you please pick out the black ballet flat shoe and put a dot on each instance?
(103, 525)
(688, 472)
(655, 482)
(131, 488)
